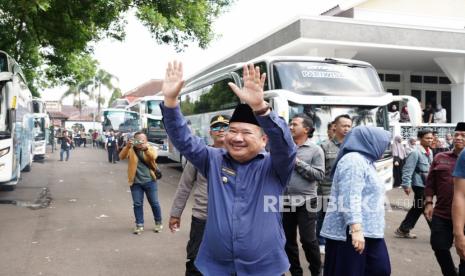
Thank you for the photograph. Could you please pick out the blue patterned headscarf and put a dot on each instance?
(370, 142)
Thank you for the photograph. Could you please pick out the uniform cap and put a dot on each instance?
(219, 119)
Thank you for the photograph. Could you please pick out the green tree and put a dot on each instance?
(49, 38)
(115, 95)
(102, 78)
(75, 91)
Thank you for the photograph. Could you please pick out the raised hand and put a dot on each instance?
(173, 83)
(252, 92)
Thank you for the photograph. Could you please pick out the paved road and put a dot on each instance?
(86, 229)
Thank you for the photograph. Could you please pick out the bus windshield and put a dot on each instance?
(331, 79)
(3, 63)
(156, 132)
(153, 107)
(324, 114)
(39, 129)
(4, 126)
(120, 120)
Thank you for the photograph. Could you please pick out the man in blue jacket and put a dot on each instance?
(414, 175)
(241, 237)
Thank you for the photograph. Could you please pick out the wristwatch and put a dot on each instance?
(355, 230)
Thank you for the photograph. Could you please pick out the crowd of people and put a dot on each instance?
(262, 183)
(113, 142)
(430, 115)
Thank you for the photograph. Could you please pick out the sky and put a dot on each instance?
(139, 58)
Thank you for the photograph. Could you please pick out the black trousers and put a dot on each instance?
(441, 241)
(305, 221)
(397, 171)
(416, 211)
(195, 238)
(112, 154)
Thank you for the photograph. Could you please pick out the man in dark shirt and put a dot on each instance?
(440, 183)
(342, 126)
(301, 193)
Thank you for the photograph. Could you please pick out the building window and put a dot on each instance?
(430, 79)
(444, 80)
(430, 97)
(392, 77)
(415, 78)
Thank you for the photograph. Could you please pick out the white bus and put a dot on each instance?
(322, 88)
(151, 122)
(121, 120)
(41, 128)
(16, 123)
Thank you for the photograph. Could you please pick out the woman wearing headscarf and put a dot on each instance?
(398, 152)
(412, 143)
(354, 222)
(404, 117)
(440, 115)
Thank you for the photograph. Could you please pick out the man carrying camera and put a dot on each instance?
(142, 179)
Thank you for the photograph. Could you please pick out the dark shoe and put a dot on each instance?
(406, 235)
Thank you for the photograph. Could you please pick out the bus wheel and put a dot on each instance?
(7, 188)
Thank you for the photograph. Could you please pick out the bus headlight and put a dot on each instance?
(4, 151)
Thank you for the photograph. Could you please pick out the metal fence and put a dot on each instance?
(407, 130)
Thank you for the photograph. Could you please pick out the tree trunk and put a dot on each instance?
(80, 105)
(98, 101)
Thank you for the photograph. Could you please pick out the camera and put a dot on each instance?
(136, 142)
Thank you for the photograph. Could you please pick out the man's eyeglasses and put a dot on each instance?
(218, 128)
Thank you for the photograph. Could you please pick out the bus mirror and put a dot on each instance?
(414, 111)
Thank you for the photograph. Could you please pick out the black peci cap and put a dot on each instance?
(460, 126)
(244, 114)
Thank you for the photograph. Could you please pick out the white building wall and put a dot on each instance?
(432, 13)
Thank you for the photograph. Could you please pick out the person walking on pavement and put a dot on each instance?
(66, 143)
(111, 145)
(354, 222)
(241, 236)
(142, 179)
(440, 183)
(94, 138)
(343, 124)
(301, 194)
(399, 154)
(190, 176)
(458, 207)
(414, 175)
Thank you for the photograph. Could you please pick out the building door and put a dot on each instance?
(446, 104)
(430, 97)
